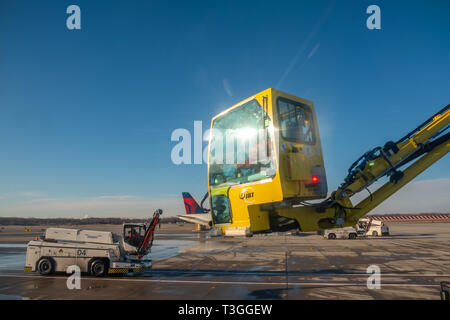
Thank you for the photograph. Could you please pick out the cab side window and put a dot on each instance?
(296, 121)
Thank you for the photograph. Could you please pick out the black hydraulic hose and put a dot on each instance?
(424, 149)
(423, 124)
(203, 200)
(366, 156)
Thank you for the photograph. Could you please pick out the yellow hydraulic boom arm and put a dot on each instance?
(426, 144)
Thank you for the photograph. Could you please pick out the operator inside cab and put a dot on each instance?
(134, 235)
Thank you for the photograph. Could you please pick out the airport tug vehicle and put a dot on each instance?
(371, 227)
(265, 165)
(95, 252)
(341, 233)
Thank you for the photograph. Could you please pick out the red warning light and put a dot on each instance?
(315, 179)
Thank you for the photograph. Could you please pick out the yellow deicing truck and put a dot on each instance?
(265, 166)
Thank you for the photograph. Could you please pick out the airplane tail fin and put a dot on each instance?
(191, 205)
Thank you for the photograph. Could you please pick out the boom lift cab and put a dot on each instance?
(263, 150)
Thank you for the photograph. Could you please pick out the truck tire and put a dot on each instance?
(98, 268)
(375, 233)
(45, 266)
(352, 236)
(331, 236)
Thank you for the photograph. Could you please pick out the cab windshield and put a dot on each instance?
(295, 121)
(134, 234)
(240, 147)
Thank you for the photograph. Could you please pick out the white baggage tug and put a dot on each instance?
(95, 252)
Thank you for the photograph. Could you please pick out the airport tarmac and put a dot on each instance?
(189, 265)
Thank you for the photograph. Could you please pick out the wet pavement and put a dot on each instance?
(12, 256)
(412, 261)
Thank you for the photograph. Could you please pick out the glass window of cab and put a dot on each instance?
(296, 121)
(241, 147)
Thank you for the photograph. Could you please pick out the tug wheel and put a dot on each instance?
(45, 266)
(98, 268)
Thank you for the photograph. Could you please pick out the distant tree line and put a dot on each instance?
(9, 221)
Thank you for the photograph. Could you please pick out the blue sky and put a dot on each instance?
(86, 115)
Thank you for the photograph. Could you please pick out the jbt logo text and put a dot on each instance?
(248, 195)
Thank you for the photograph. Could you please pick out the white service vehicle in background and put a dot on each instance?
(95, 252)
(340, 233)
(371, 227)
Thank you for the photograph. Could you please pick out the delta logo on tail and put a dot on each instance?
(191, 206)
(194, 212)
